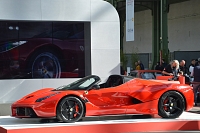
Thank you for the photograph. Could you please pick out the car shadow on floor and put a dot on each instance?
(102, 118)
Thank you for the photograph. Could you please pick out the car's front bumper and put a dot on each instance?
(37, 110)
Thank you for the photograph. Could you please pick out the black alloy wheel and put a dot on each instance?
(171, 105)
(70, 109)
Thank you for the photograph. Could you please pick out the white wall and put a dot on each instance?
(183, 28)
(105, 43)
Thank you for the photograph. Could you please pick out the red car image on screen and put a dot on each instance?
(119, 95)
(57, 53)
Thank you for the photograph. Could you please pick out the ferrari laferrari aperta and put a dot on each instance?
(119, 95)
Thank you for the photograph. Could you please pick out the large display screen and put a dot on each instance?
(41, 50)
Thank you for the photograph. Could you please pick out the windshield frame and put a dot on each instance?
(75, 85)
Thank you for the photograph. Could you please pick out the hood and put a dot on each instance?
(47, 94)
(42, 93)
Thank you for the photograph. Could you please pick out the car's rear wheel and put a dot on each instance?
(45, 65)
(171, 105)
(70, 109)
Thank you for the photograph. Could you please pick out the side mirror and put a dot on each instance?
(96, 87)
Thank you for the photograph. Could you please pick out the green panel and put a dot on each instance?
(164, 29)
(155, 34)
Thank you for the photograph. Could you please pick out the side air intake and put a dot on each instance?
(136, 101)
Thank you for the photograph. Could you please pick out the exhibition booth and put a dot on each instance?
(50, 43)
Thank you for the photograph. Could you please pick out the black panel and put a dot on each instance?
(136, 101)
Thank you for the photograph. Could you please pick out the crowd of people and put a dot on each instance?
(176, 68)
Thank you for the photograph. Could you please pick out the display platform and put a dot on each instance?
(187, 121)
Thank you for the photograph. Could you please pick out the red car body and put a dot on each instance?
(120, 95)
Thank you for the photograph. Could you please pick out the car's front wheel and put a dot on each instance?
(171, 105)
(70, 109)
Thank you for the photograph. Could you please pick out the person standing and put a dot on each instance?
(141, 65)
(196, 75)
(159, 67)
(137, 66)
(191, 66)
(172, 70)
(185, 71)
(183, 68)
(164, 64)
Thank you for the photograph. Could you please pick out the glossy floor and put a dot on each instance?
(187, 121)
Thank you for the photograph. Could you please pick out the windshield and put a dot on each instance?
(81, 84)
(147, 75)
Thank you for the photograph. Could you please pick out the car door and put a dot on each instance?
(109, 101)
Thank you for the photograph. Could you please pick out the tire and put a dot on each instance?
(70, 109)
(171, 105)
(45, 65)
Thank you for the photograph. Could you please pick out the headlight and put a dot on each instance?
(8, 46)
(43, 98)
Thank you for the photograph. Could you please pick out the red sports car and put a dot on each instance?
(119, 95)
